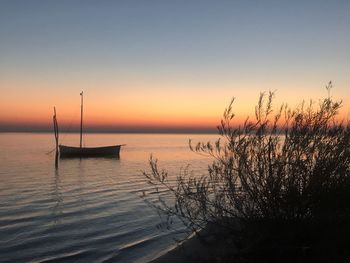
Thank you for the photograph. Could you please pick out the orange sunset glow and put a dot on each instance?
(154, 108)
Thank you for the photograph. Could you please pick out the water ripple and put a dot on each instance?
(89, 210)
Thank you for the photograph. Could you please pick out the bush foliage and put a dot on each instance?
(289, 165)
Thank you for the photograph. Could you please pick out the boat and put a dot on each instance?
(81, 152)
(103, 151)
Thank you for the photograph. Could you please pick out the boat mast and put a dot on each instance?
(55, 127)
(81, 121)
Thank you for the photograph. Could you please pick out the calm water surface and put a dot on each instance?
(90, 210)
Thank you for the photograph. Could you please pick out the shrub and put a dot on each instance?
(290, 167)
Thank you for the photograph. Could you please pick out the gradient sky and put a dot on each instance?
(165, 65)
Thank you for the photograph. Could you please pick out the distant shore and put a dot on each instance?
(204, 131)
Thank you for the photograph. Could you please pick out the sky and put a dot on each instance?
(165, 65)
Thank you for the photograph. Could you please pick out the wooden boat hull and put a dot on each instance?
(105, 151)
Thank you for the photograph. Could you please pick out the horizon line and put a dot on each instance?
(119, 131)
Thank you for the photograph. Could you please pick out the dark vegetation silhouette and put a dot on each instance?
(278, 189)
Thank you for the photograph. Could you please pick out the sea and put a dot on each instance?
(88, 210)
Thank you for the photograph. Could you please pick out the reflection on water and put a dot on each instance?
(57, 197)
(89, 210)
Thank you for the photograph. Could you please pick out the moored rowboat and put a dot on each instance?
(71, 151)
(104, 151)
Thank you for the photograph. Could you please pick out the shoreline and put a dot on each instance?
(198, 247)
(291, 244)
(190, 250)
